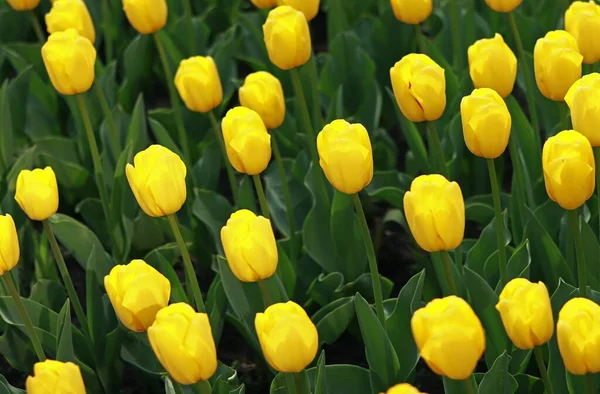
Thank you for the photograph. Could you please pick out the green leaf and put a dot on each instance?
(64, 335)
(327, 288)
(333, 319)
(216, 307)
(321, 376)
(10, 389)
(341, 379)
(519, 262)
(136, 351)
(49, 293)
(529, 384)
(213, 210)
(486, 245)
(137, 62)
(591, 253)
(498, 379)
(162, 136)
(458, 386)
(6, 130)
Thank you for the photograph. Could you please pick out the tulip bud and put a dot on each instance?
(250, 246)
(69, 59)
(569, 169)
(557, 64)
(486, 123)
(9, 244)
(183, 343)
(66, 14)
(287, 37)
(264, 3)
(345, 155)
(37, 193)
(577, 333)
(23, 5)
(419, 85)
(582, 21)
(403, 388)
(310, 8)
(526, 313)
(247, 141)
(492, 64)
(449, 337)
(435, 212)
(55, 377)
(503, 5)
(412, 11)
(262, 92)
(198, 83)
(288, 338)
(157, 180)
(583, 98)
(137, 292)
(146, 16)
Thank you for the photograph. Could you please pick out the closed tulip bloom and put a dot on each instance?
(412, 11)
(262, 92)
(287, 37)
(288, 338)
(569, 169)
(146, 16)
(264, 3)
(247, 141)
(557, 64)
(55, 377)
(449, 337)
(578, 335)
(137, 292)
(157, 180)
(23, 5)
(526, 313)
(310, 8)
(198, 83)
(183, 343)
(503, 5)
(582, 20)
(486, 123)
(492, 64)
(74, 14)
(37, 193)
(69, 59)
(583, 99)
(403, 388)
(346, 156)
(435, 212)
(250, 246)
(9, 244)
(419, 85)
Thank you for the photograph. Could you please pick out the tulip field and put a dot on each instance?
(299, 196)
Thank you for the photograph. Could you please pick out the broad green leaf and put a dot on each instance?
(518, 263)
(341, 379)
(50, 293)
(321, 375)
(498, 379)
(327, 288)
(214, 211)
(486, 245)
(529, 384)
(216, 306)
(64, 335)
(10, 389)
(6, 130)
(333, 319)
(459, 386)
(136, 351)
(162, 264)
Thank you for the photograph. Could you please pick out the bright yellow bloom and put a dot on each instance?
(582, 20)
(435, 212)
(419, 85)
(503, 5)
(55, 377)
(74, 14)
(183, 343)
(262, 92)
(23, 5)
(310, 8)
(346, 156)
(287, 37)
(486, 123)
(403, 388)
(146, 16)
(69, 59)
(492, 64)
(264, 3)
(9, 244)
(557, 64)
(583, 99)
(569, 169)
(137, 292)
(37, 193)
(288, 338)
(157, 180)
(578, 334)
(412, 11)
(526, 313)
(247, 141)
(198, 83)
(250, 246)
(449, 337)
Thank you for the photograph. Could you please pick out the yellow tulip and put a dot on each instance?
(449, 337)
(37, 193)
(157, 180)
(582, 20)
(247, 141)
(264, 3)
(492, 64)
(74, 14)
(569, 169)
(578, 335)
(198, 83)
(310, 8)
(412, 11)
(346, 156)
(503, 5)
(526, 313)
(435, 212)
(557, 64)
(69, 59)
(583, 98)
(183, 343)
(262, 92)
(403, 388)
(137, 292)
(287, 37)
(288, 338)
(23, 5)
(9, 244)
(146, 16)
(419, 85)
(250, 246)
(55, 377)
(486, 123)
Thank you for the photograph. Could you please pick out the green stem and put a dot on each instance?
(470, 386)
(420, 39)
(499, 221)
(375, 280)
(564, 115)
(190, 26)
(539, 358)
(437, 145)
(458, 259)
(264, 291)
(455, 22)
(597, 160)
(187, 263)
(290, 381)
(114, 134)
(203, 387)
(299, 385)
(260, 191)
(35, 341)
(573, 217)
(287, 197)
(589, 382)
(315, 96)
(108, 45)
(37, 28)
(176, 386)
(448, 271)
(230, 174)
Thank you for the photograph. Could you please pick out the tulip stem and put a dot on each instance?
(573, 217)
(108, 44)
(375, 280)
(499, 221)
(37, 28)
(114, 134)
(290, 380)
(187, 263)
(264, 291)
(176, 386)
(316, 97)
(539, 358)
(230, 174)
(37, 346)
(589, 382)
(420, 39)
(287, 197)
(470, 385)
(563, 110)
(458, 259)
(454, 20)
(260, 191)
(187, 5)
(436, 144)
(446, 262)
(203, 387)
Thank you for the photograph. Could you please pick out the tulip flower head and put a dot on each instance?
(198, 83)
(403, 388)
(577, 332)
(287, 37)
(55, 377)
(583, 99)
(37, 193)
(503, 5)
(9, 244)
(23, 5)
(66, 14)
(146, 16)
(310, 8)
(264, 3)
(412, 12)
(492, 64)
(262, 92)
(582, 21)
